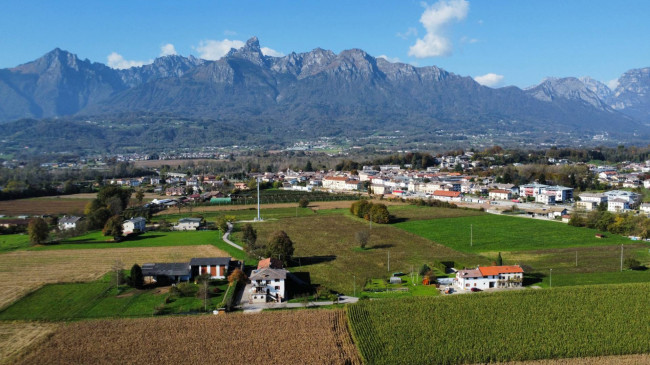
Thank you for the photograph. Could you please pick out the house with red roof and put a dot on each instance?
(490, 277)
(449, 196)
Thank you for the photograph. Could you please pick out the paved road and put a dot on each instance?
(228, 241)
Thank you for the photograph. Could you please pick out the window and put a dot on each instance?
(277, 288)
(277, 280)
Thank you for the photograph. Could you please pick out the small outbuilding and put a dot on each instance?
(216, 267)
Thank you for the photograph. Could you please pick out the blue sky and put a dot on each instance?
(508, 42)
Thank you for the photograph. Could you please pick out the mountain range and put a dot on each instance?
(301, 95)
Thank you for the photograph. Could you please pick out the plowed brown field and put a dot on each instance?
(287, 337)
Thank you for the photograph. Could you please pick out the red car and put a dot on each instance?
(475, 289)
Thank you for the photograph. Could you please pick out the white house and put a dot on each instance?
(489, 277)
(188, 224)
(268, 285)
(67, 222)
(132, 224)
(341, 183)
(545, 198)
(593, 197)
(216, 267)
(631, 198)
(450, 196)
(618, 205)
(645, 208)
(499, 194)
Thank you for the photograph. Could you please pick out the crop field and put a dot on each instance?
(505, 326)
(492, 233)
(282, 337)
(597, 360)
(10, 242)
(325, 246)
(594, 278)
(24, 271)
(16, 337)
(40, 206)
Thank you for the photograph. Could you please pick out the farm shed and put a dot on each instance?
(171, 272)
(395, 280)
(216, 267)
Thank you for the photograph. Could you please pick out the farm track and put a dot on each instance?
(24, 271)
(286, 337)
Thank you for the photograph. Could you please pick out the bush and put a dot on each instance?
(362, 238)
(303, 202)
(136, 278)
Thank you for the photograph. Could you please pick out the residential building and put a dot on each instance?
(268, 284)
(499, 194)
(188, 224)
(489, 277)
(450, 196)
(545, 198)
(618, 205)
(133, 224)
(645, 208)
(68, 222)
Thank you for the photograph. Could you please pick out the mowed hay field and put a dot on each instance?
(24, 271)
(40, 206)
(285, 337)
(16, 337)
(325, 246)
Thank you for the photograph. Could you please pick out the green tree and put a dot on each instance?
(499, 260)
(280, 245)
(136, 279)
(249, 235)
(97, 219)
(424, 269)
(113, 227)
(107, 192)
(38, 231)
(379, 214)
(308, 166)
(303, 202)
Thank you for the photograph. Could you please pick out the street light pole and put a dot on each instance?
(621, 257)
(550, 279)
(355, 285)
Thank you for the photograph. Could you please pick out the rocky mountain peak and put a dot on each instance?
(251, 51)
(569, 88)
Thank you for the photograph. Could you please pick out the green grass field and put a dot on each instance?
(504, 326)
(492, 233)
(403, 213)
(99, 299)
(11, 242)
(595, 278)
(148, 239)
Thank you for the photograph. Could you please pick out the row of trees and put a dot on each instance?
(625, 224)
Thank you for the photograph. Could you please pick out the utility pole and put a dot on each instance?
(389, 261)
(471, 235)
(355, 285)
(576, 258)
(370, 221)
(550, 279)
(259, 219)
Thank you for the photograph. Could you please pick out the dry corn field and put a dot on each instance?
(599, 360)
(287, 337)
(16, 337)
(24, 271)
(42, 206)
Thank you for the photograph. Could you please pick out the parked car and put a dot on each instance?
(475, 289)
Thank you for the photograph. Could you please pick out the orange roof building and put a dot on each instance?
(490, 277)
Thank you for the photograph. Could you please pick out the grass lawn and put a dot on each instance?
(325, 247)
(99, 299)
(148, 239)
(405, 213)
(10, 242)
(492, 233)
(371, 290)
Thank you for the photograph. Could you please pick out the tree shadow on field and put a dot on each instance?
(311, 260)
(533, 278)
(142, 237)
(394, 220)
(385, 245)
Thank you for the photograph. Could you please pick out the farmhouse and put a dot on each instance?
(489, 277)
(188, 224)
(68, 222)
(268, 285)
(133, 224)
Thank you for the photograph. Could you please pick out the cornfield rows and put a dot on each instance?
(25, 271)
(506, 326)
(291, 337)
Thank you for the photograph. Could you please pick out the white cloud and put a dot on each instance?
(409, 32)
(214, 50)
(229, 33)
(490, 79)
(612, 84)
(271, 52)
(469, 40)
(167, 50)
(435, 19)
(389, 59)
(115, 60)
